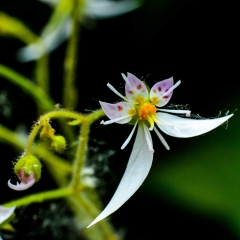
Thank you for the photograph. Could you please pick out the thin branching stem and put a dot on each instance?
(41, 98)
(42, 73)
(40, 197)
(80, 154)
(70, 93)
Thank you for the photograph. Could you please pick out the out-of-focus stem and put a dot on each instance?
(42, 73)
(41, 98)
(80, 154)
(40, 197)
(104, 226)
(70, 94)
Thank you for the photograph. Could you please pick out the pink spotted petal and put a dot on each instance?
(118, 110)
(135, 89)
(159, 89)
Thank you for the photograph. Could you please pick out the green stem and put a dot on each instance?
(80, 154)
(92, 117)
(41, 98)
(31, 138)
(39, 124)
(40, 197)
(62, 113)
(42, 73)
(70, 94)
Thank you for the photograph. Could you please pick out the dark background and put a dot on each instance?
(195, 41)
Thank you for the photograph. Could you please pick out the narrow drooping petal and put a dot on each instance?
(135, 89)
(137, 169)
(159, 89)
(24, 184)
(119, 110)
(5, 213)
(184, 127)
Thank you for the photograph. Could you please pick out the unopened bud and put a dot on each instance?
(28, 170)
(58, 144)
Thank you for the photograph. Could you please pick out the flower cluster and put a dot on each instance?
(141, 107)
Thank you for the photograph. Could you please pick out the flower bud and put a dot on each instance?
(28, 170)
(58, 144)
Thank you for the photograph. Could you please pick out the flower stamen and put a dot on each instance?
(145, 110)
(161, 138)
(115, 120)
(148, 138)
(126, 79)
(129, 137)
(116, 92)
(172, 88)
(151, 121)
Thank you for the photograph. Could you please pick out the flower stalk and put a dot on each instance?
(70, 94)
(40, 197)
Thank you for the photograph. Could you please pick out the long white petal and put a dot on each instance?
(184, 127)
(5, 213)
(137, 169)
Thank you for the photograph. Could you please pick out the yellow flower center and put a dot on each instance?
(147, 112)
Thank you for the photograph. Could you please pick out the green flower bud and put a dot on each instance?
(28, 170)
(58, 144)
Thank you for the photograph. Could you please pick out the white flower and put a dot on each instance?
(5, 213)
(59, 27)
(140, 108)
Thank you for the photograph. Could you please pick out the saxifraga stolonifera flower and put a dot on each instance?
(142, 109)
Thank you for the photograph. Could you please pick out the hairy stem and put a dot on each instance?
(40, 197)
(42, 73)
(80, 154)
(70, 94)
